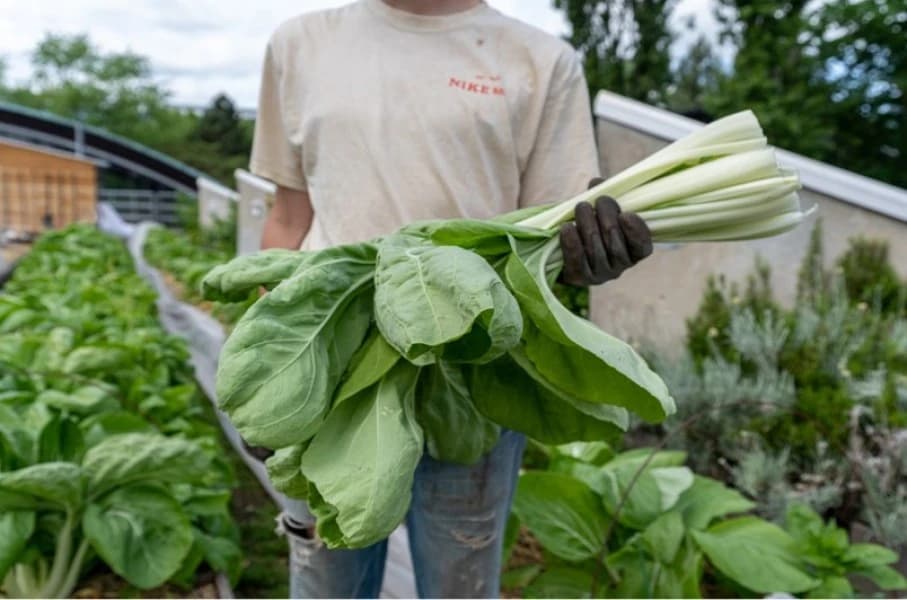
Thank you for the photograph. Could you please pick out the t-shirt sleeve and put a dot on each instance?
(563, 158)
(274, 156)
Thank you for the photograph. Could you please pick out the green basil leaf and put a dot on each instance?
(59, 342)
(82, 401)
(98, 428)
(61, 440)
(221, 553)
(832, 587)
(520, 577)
(96, 359)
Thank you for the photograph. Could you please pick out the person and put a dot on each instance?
(384, 112)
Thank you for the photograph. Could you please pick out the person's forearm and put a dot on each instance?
(281, 234)
(288, 221)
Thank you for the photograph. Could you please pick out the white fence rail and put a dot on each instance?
(255, 198)
(143, 205)
(214, 202)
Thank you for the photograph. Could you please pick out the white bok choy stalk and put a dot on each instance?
(720, 183)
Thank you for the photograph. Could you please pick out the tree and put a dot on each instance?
(117, 91)
(776, 73)
(864, 56)
(624, 44)
(221, 139)
(695, 80)
(220, 124)
(826, 79)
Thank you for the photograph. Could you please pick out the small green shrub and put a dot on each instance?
(799, 405)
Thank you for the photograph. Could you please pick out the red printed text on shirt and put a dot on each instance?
(480, 84)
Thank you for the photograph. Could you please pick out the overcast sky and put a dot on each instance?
(201, 47)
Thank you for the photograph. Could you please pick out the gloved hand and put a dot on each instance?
(602, 242)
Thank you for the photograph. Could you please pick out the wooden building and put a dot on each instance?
(43, 188)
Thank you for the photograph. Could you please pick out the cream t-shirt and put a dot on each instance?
(386, 117)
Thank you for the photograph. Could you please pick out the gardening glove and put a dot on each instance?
(602, 242)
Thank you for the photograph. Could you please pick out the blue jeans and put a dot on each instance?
(455, 525)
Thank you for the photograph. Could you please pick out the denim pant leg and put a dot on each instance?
(457, 518)
(317, 572)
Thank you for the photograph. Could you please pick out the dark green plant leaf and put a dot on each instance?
(503, 392)
(664, 535)
(588, 362)
(141, 532)
(832, 587)
(869, 555)
(708, 499)
(756, 554)
(455, 431)
(56, 484)
(16, 527)
(560, 582)
(519, 577)
(885, 577)
(563, 513)
(134, 457)
(61, 440)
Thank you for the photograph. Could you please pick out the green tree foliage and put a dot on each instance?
(73, 78)
(624, 44)
(865, 58)
(694, 79)
(826, 79)
(776, 72)
(225, 138)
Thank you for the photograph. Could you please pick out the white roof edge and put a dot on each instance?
(826, 179)
(213, 186)
(254, 180)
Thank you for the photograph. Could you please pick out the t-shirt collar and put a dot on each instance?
(413, 22)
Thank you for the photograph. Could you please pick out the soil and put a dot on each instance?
(526, 551)
(108, 585)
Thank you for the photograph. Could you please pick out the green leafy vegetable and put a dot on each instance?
(471, 303)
